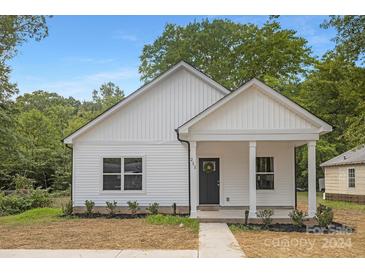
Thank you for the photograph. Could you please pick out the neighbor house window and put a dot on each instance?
(264, 173)
(351, 177)
(122, 174)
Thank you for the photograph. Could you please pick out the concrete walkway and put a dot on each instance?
(217, 241)
(86, 253)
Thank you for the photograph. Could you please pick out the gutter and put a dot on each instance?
(189, 178)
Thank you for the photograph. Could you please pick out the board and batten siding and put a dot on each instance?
(155, 115)
(252, 110)
(336, 179)
(234, 172)
(145, 126)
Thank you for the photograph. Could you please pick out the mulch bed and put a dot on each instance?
(333, 228)
(97, 215)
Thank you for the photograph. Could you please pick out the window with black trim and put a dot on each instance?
(111, 174)
(130, 177)
(264, 172)
(351, 177)
(133, 173)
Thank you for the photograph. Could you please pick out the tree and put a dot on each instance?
(231, 53)
(14, 30)
(350, 36)
(107, 95)
(335, 91)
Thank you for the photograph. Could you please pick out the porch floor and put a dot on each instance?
(281, 215)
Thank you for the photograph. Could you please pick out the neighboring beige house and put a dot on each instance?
(345, 176)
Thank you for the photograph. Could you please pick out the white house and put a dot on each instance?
(185, 139)
(345, 176)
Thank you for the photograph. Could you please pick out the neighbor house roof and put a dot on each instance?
(181, 65)
(353, 156)
(299, 110)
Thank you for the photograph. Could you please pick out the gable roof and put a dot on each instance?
(300, 111)
(353, 156)
(181, 65)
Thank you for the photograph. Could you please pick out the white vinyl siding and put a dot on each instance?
(166, 180)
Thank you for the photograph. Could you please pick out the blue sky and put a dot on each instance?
(82, 52)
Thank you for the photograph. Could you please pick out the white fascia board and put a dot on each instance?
(182, 64)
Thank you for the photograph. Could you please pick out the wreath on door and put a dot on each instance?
(208, 167)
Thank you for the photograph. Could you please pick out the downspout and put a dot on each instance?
(72, 164)
(295, 177)
(189, 178)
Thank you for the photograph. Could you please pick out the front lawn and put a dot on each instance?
(270, 244)
(43, 228)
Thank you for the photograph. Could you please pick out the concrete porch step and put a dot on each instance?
(208, 207)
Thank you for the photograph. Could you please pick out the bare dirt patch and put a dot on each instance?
(97, 234)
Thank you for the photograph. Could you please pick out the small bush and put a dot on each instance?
(23, 184)
(297, 217)
(133, 206)
(67, 209)
(111, 207)
(265, 216)
(20, 202)
(40, 198)
(324, 215)
(89, 207)
(153, 208)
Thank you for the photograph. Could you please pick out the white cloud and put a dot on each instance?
(81, 87)
(120, 35)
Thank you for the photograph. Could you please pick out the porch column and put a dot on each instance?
(194, 177)
(311, 178)
(252, 179)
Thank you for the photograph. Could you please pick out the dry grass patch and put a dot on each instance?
(59, 233)
(269, 244)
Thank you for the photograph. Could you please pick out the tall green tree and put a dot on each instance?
(14, 31)
(350, 38)
(107, 95)
(231, 53)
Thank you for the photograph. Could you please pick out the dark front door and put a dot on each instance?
(209, 181)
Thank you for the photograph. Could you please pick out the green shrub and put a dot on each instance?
(89, 207)
(21, 201)
(39, 198)
(153, 208)
(67, 209)
(324, 215)
(133, 206)
(265, 216)
(23, 184)
(297, 217)
(111, 206)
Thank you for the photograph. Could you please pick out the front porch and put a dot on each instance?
(237, 179)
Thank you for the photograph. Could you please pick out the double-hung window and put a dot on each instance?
(123, 174)
(264, 172)
(351, 177)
